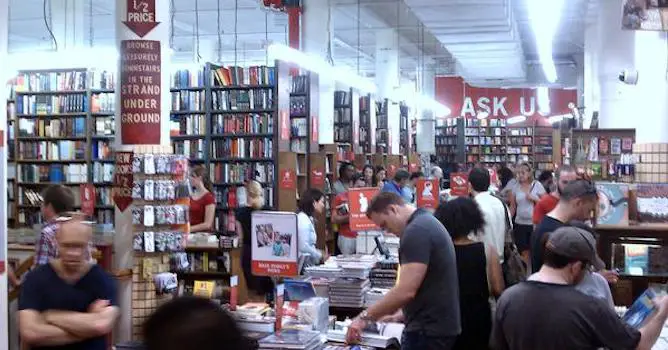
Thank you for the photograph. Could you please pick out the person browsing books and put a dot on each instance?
(202, 201)
(311, 202)
(428, 288)
(547, 313)
(347, 240)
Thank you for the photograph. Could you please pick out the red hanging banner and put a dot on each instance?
(140, 17)
(427, 193)
(123, 180)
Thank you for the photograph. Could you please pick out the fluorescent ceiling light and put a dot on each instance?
(320, 66)
(516, 119)
(482, 115)
(544, 17)
(543, 97)
(408, 94)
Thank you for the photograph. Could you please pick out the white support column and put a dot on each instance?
(316, 32)
(643, 106)
(123, 252)
(426, 126)
(4, 310)
(68, 23)
(387, 80)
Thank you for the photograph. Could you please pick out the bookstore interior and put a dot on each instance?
(193, 145)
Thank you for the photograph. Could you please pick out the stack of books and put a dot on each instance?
(374, 295)
(348, 292)
(292, 339)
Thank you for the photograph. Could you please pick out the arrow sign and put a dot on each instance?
(140, 17)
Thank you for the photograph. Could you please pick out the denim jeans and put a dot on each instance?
(418, 340)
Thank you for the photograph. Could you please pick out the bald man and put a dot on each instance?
(68, 303)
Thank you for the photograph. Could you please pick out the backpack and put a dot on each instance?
(513, 267)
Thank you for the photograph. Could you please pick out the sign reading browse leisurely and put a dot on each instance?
(140, 92)
(274, 245)
(140, 17)
(359, 200)
(123, 180)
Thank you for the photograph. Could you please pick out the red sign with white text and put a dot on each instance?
(87, 194)
(318, 177)
(358, 201)
(288, 180)
(274, 268)
(140, 92)
(123, 180)
(140, 17)
(459, 184)
(466, 100)
(426, 192)
(314, 129)
(285, 125)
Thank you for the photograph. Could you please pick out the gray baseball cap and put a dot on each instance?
(575, 243)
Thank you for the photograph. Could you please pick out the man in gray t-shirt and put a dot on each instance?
(427, 289)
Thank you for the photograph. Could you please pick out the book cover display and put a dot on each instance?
(613, 203)
(642, 308)
(652, 203)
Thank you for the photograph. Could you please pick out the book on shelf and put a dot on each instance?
(343, 116)
(193, 149)
(242, 148)
(52, 150)
(103, 172)
(29, 196)
(71, 173)
(104, 126)
(184, 100)
(299, 127)
(102, 80)
(299, 84)
(299, 145)
(252, 123)
(236, 76)
(51, 81)
(251, 99)
(187, 125)
(51, 104)
(242, 172)
(103, 103)
(298, 105)
(342, 99)
(62, 127)
(101, 150)
(187, 78)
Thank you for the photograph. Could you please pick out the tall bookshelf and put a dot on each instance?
(365, 134)
(59, 139)
(404, 130)
(224, 118)
(11, 154)
(344, 124)
(382, 131)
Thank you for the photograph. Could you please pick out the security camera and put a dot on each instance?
(628, 76)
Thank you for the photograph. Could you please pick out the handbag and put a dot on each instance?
(513, 267)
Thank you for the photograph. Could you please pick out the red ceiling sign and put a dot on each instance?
(466, 100)
(140, 17)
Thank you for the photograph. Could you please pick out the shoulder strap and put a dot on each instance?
(509, 224)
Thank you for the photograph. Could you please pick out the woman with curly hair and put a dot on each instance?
(478, 270)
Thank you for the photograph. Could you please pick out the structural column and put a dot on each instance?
(387, 80)
(426, 125)
(68, 23)
(316, 32)
(4, 43)
(142, 89)
(610, 50)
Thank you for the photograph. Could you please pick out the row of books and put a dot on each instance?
(342, 98)
(520, 140)
(232, 76)
(52, 150)
(188, 100)
(193, 149)
(62, 127)
(299, 145)
(184, 78)
(298, 105)
(243, 99)
(102, 150)
(49, 104)
(241, 172)
(57, 173)
(30, 217)
(103, 172)
(29, 196)
(343, 116)
(104, 80)
(104, 126)
(103, 103)
(492, 122)
(343, 135)
(230, 197)
(252, 123)
(103, 196)
(299, 84)
(191, 124)
(299, 127)
(51, 81)
(243, 148)
(105, 216)
(485, 140)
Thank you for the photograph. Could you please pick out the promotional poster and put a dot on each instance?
(274, 244)
(359, 200)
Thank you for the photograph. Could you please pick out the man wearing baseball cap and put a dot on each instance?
(546, 312)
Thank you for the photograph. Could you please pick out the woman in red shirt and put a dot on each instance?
(202, 201)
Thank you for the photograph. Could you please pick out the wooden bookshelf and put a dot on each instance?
(366, 131)
(346, 117)
(404, 130)
(11, 154)
(63, 111)
(382, 131)
(225, 119)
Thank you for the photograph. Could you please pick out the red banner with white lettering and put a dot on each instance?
(466, 100)
(87, 198)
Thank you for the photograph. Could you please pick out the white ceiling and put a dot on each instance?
(490, 42)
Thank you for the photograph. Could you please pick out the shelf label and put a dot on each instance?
(87, 197)
(140, 17)
(358, 201)
(123, 180)
(140, 92)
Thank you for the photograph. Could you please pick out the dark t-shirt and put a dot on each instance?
(548, 225)
(259, 284)
(435, 308)
(535, 315)
(44, 290)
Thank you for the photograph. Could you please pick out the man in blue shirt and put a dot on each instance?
(68, 303)
(398, 184)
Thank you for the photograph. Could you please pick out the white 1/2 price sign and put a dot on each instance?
(274, 245)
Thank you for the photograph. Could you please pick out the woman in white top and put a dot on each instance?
(311, 202)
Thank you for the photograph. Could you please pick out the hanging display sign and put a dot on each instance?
(426, 193)
(123, 180)
(285, 125)
(288, 179)
(87, 198)
(140, 92)
(358, 201)
(314, 129)
(317, 177)
(459, 184)
(274, 241)
(140, 17)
